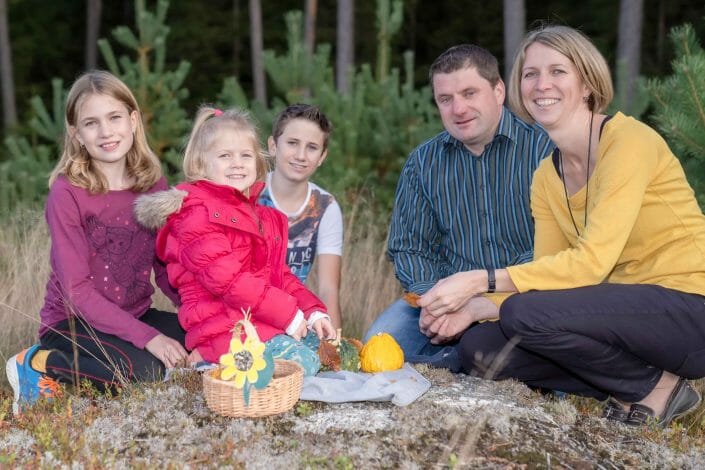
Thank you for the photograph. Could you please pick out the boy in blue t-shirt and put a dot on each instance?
(299, 143)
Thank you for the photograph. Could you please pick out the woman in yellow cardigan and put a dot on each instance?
(613, 304)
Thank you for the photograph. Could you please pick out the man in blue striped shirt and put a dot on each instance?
(462, 201)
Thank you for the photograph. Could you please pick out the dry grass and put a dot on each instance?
(24, 270)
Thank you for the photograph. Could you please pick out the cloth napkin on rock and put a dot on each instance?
(401, 386)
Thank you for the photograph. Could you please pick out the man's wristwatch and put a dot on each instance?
(491, 281)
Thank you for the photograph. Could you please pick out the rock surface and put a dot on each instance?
(461, 422)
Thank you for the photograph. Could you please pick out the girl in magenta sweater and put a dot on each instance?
(96, 322)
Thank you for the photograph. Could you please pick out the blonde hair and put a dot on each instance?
(209, 121)
(590, 64)
(76, 163)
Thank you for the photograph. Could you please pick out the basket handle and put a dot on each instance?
(246, 324)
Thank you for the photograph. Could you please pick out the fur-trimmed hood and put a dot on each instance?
(152, 210)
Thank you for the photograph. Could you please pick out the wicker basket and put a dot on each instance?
(280, 395)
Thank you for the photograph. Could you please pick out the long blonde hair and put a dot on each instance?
(590, 64)
(209, 120)
(76, 163)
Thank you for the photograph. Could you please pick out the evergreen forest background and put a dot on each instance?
(177, 55)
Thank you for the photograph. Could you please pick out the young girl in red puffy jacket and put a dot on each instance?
(224, 252)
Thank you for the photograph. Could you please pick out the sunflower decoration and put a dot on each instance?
(247, 363)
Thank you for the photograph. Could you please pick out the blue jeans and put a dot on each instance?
(401, 320)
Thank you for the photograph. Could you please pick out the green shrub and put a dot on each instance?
(679, 101)
(376, 124)
(32, 155)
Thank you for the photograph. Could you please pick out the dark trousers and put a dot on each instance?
(597, 341)
(80, 352)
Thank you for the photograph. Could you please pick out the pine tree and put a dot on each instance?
(297, 72)
(159, 92)
(389, 19)
(23, 176)
(679, 100)
(376, 123)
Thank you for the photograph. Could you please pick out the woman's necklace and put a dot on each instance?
(587, 178)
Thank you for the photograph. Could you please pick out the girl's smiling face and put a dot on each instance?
(231, 160)
(105, 127)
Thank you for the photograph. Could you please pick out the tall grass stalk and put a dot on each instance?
(24, 270)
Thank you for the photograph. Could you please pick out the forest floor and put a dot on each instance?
(461, 422)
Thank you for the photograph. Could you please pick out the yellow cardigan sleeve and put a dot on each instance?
(626, 164)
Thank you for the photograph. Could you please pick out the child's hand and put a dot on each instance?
(167, 350)
(195, 357)
(324, 329)
(300, 332)
(297, 327)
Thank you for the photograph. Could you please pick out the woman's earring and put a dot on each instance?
(586, 98)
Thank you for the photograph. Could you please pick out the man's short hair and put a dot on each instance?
(465, 56)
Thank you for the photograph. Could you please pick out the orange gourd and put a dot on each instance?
(381, 353)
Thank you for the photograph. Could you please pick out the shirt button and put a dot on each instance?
(216, 215)
(233, 220)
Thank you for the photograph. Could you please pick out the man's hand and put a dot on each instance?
(450, 326)
(452, 293)
(167, 350)
(425, 321)
(428, 324)
(447, 327)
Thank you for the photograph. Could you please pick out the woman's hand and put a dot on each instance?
(453, 292)
(167, 350)
(324, 329)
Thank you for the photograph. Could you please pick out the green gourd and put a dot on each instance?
(340, 354)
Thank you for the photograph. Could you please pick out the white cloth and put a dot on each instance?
(401, 386)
